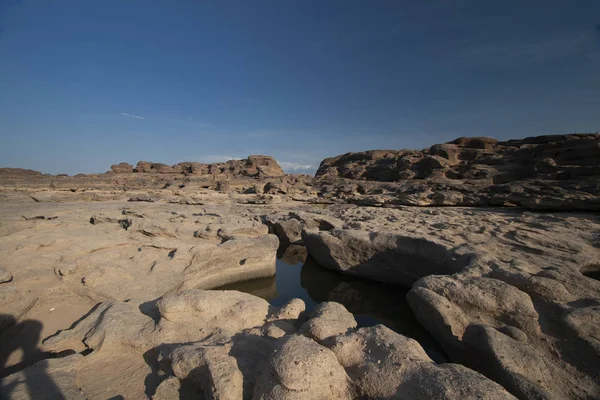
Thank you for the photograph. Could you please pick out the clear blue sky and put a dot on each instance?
(84, 84)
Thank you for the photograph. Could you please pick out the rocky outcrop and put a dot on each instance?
(260, 166)
(122, 168)
(503, 292)
(216, 344)
(259, 178)
(385, 365)
(557, 172)
(381, 256)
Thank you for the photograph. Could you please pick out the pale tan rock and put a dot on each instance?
(327, 320)
(5, 276)
(302, 369)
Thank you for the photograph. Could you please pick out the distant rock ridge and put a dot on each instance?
(553, 157)
(255, 165)
(560, 172)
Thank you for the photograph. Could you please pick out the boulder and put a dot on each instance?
(382, 256)
(122, 168)
(385, 365)
(265, 165)
(327, 320)
(223, 312)
(237, 259)
(299, 368)
(5, 275)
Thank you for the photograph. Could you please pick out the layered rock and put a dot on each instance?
(557, 172)
(259, 178)
(502, 292)
(215, 344)
(256, 165)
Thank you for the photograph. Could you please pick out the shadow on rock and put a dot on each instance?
(25, 336)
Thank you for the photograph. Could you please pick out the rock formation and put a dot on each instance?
(501, 291)
(263, 166)
(111, 284)
(557, 172)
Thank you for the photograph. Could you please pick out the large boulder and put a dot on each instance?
(382, 256)
(299, 368)
(122, 168)
(265, 165)
(237, 259)
(385, 365)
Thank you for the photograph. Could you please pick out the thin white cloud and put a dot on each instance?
(202, 125)
(292, 167)
(131, 115)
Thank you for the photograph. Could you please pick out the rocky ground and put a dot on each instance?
(105, 278)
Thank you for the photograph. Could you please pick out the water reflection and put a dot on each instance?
(371, 302)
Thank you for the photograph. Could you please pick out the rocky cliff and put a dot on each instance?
(263, 166)
(560, 172)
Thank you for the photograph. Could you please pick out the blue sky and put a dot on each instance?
(84, 84)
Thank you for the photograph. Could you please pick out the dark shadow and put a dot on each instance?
(154, 378)
(371, 302)
(571, 348)
(160, 370)
(150, 309)
(591, 271)
(25, 336)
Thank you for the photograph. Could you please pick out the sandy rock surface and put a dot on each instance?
(499, 289)
(110, 284)
(113, 289)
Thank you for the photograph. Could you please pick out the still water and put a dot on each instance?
(371, 302)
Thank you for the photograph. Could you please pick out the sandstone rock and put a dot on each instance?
(266, 166)
(328, 320)
(291, 310)
(386, 257)
(112, 325)
(227, 311)
(384, 364)
(162, 168)
(143, 166)
(211, 369)
(122, 168)
(237, 259)
(561, 173)
(288, 226)
(302, 369)
(146, 199)
(168, 389)
(5, 276)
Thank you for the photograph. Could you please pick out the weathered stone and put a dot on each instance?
(302, 369)
(5, 275)
(122, 168)
(327, 320)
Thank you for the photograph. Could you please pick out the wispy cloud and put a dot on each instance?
(131, 115)
(193, 122)
(292, 167)
(202, 125)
